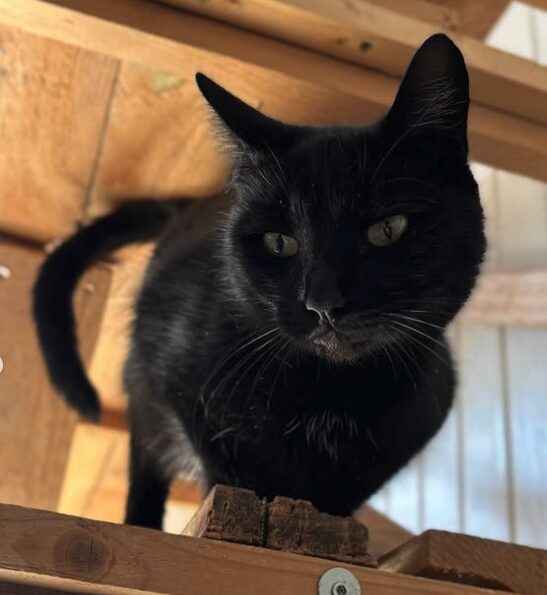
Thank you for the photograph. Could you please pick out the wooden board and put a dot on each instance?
(385, 535)
(238, 516)
(181, 43)
(159, 141)
(471, 560)
(106, 366)
(373, 36)
(474, 18)
(36, 427)
(54, 104)
(47, 549)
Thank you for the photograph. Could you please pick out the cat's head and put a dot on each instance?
(348, 239)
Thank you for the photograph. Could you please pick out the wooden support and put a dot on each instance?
(471, 560)
(510, 300)
(372, 36)
(384, 534)
(36, 427)
(239, 516)
(55, 100)
(41, 550)
(474, 18)
(326, 89)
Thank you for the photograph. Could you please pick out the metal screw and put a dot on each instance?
(339, 589)
(338, 581)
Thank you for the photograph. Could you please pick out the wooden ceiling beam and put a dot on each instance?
(176, 41)
(475, 18)
(372, 36)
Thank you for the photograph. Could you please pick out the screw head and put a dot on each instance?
(339, 589)
(338, 581)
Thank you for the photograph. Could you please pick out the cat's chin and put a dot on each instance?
(337, 347)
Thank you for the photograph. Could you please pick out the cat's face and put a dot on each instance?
(351, 239)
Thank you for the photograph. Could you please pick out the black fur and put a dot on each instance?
(315, 376)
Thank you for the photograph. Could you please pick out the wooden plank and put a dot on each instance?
(181, 43)
(509, 299)
(159, 141)
(374, 37)
(238, 516)
(439, 14)
(471, 560)
(95, 481)
(54, 104)
(135, 558)
(385, 534)
(36, 427)
(106, 366)
(475, 19)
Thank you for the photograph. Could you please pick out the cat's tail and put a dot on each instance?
(134, 222)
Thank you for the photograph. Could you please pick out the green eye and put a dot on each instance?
(387, 231)
(279, 244)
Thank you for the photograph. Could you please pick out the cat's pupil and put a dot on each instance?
(279, 244)
(388, 230)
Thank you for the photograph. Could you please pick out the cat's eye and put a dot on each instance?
(387, 231)
(279, 244)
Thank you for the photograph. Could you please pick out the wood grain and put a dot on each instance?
(36, 427)
(54, 104)
(96, 476)
(309, 87)
(134, 558)
(159, 141)
(384, 534)
(471, 560)
(238, 516)
(474, 18)
(375, 37)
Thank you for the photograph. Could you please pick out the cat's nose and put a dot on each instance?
(327, 316)
(323, 296)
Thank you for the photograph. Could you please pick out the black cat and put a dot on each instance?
(288, 336)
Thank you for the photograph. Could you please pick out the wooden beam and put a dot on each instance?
(178, 42)
(44, 549)
(36, 427)
(471, 560)
(385, 534)
(475, 19)
(542, 4)
(238, 515)
(54, 103)
(438, 14)
(510, 300)
(377, 38)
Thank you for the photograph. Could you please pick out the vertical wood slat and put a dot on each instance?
(53, 107)
(36, 427)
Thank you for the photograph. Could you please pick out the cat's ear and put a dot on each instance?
(247, 128)
(434, 94)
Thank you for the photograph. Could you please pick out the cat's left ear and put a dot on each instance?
(434, 94)
(247, 128)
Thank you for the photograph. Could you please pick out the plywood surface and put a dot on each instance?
(471, 560)
(314, 87)
(52, 111)
(130, 557)
(36, 427)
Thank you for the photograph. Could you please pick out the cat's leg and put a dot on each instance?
(148, 488)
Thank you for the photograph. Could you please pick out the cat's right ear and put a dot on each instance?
(244, 127)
